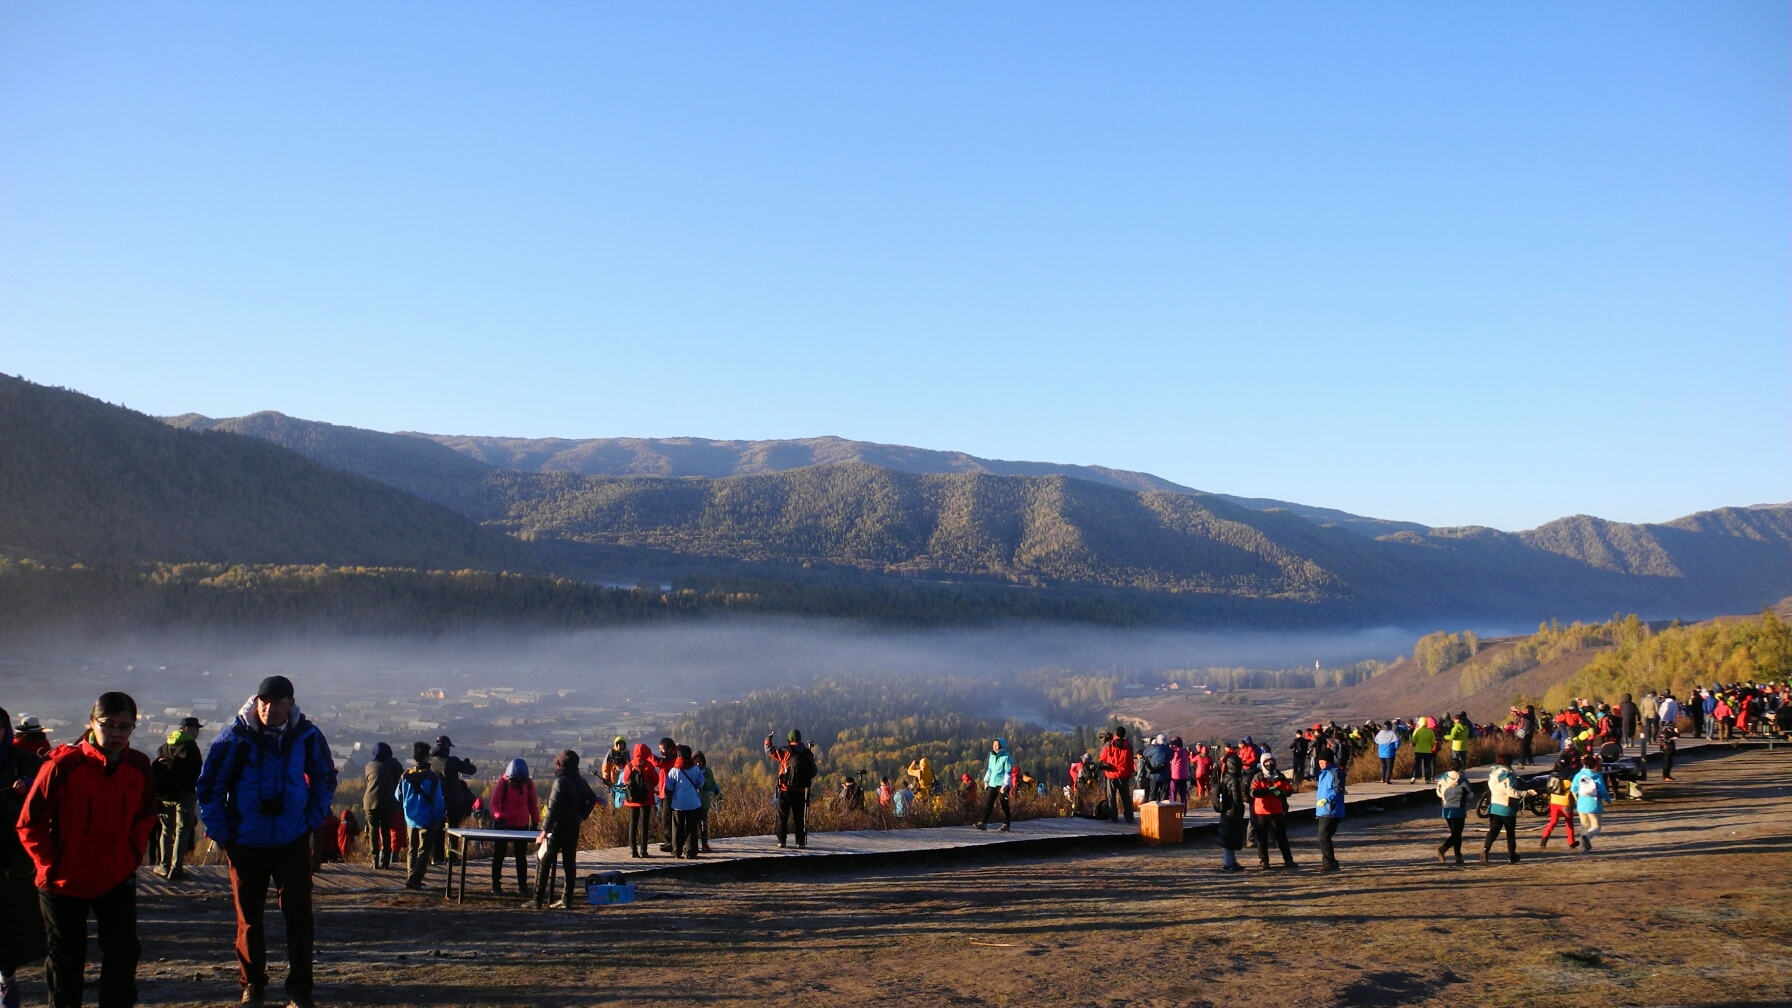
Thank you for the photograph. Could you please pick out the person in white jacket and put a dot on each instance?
(1505, 799)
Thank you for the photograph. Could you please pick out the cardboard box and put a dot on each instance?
(1160, 822)
(610, 895)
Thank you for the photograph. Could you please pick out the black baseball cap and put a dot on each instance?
(191, 722)
(275, 687)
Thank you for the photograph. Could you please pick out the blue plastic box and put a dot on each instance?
(608, 894)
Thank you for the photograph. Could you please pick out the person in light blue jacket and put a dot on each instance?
(1590, 796)
(1387, 743)
(684, 792)
(999, 776)
(1328, 808)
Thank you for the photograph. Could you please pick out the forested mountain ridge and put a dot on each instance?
(83, 480)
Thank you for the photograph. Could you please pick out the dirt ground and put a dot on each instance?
(1685, 901)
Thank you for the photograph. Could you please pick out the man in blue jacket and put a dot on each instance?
(1328, 808)
(268, 781)
(421, 794)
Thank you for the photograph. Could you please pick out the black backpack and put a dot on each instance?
(802, 768)
(635, 782)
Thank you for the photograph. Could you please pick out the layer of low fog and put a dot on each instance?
(647, 668)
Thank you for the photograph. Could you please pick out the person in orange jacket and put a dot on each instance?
(1269, 803)
(1117, 766)
(86, 824)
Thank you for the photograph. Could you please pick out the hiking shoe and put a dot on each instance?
(1327, 869)
(1005, 829)
(781, 843)
(523, 890)
(251, 996)
(1483, 859)
(1440, 856)
(979, 826)
(1542, 843)
(300, 1001)
(1515, 858)
(497, 888)
(414, 886)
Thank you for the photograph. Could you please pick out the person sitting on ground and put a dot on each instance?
(999, 776)
(515, 807)
(420, 792)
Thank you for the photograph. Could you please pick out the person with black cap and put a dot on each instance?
(177, 776)
(796, 771)
(268, 781)
(422, 794)
(459, 797)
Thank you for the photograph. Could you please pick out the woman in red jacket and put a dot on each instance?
(86, 824)
(514, 805)
(640, 782)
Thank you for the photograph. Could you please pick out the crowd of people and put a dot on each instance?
(89, 814)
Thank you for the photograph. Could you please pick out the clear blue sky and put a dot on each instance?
(1450, 263)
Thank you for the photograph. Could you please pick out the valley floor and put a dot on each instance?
(1685, 902)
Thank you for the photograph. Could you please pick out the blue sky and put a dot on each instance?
(1457, 264)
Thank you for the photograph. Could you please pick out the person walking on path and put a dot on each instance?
(1455, 796)
(999, 775)
(640, 781)
(1650, 706)
(1117, 767)
(85, 825)
(1590, 796)
(21, 920)
(1299, 752)
(1424, 751)
(1387, 744)
(1458, 737)
(796, 771)
(1230, 801)
(1505, 800)
(1526, 732)
(1269, 800)
(268, 781)
(684, 792)
(1629, 719)
(1561, 801)
(379, 800)
(425, 814)
(514, 806)
(1328, 809)
(177, 767)
(570, 800)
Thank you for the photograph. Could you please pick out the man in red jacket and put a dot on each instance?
(1269, 803)
(1117, 767)
(86, 824)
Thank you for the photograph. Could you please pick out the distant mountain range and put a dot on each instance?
(80, 479)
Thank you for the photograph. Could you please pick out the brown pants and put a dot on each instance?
(290, 869)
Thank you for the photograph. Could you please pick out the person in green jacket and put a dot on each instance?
(709, 792)
(1458, 738)
(1424, 751)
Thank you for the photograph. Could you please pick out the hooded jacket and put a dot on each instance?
(684, 786)
(1330, 796)
(512, 800)
(1594, 803)
(1387, 743)
(86, 822)
(420, 791)
(1269, 792)
(1181, 767)
(177, 767)
(1156, 758)
(1452, 785)
(261, 788)
(998, 770)
(642, 762)
(1458, 737)
(381, 776)
(1230, 801)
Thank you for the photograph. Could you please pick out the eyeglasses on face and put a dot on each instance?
(117, 726)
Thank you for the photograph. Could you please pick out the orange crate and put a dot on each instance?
(1161, 822)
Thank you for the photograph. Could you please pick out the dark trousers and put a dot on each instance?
(666, 822)
(1387, 769)
(640, 826)
(1459, 759)
(989, 805)
(1495, 823)
(1277, 826)
(684, 832)
(563, 849)
(790, 816)
(519, 849)
(421, 844)
(1667, 758)
(1524, 749)
(1454, 840)
(1120, 797)
(1328, 826)
(703, 826)
(290, 869)
(379, 837)
(65, 932)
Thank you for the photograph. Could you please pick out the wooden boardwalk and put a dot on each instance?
(762, 852)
